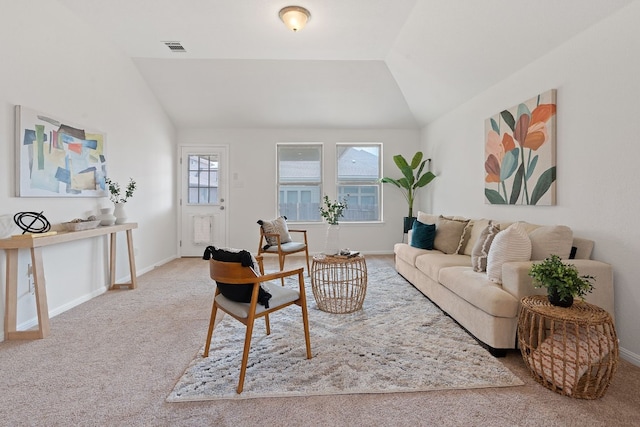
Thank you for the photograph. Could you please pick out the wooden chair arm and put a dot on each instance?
(279, 274)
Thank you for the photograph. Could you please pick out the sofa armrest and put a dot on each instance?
(516, 281)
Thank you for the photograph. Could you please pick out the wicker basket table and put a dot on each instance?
(572, 351)
(339, 284)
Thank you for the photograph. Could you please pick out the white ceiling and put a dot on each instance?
(357, 64)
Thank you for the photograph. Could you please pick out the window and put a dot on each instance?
(203, 179)
(299, 181)
(359, 171)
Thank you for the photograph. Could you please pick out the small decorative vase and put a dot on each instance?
(332, 241)
(120, 214)
(554, 299)
(106, 217)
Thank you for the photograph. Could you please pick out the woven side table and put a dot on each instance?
(339, 284)
(572, 351)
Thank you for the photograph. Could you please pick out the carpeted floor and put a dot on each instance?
(398, 342)
(113, 360)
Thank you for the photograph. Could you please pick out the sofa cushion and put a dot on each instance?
(423, 235)
(449, 235)
(551, 240)
(481, 249)
(478, 290)
(426, 218)
(512, 244)
(408, 253)
(430, 263)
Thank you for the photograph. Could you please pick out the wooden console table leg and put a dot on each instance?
(11, 293)
(132, 263)
(42, 307)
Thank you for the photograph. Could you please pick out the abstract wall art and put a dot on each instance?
(520, 153)
(56, 159)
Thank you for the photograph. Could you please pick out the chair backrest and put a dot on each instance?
(231, 272)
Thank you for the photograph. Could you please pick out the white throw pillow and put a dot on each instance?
(277, 226)
(512, 244)
(551, 240)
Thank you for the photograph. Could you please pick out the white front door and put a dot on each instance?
(203, 194)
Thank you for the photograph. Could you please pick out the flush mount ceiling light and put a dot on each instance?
(294, 17)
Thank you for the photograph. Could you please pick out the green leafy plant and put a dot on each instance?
(560, 278)
(332, 211)
(413, 177)
(114, 190)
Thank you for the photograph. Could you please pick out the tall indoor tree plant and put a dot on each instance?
(412, 180)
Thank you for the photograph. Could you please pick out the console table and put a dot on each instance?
(11, 247)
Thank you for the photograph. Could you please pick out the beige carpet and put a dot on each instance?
(398, 342)
(113, 360)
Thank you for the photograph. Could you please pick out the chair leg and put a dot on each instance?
(281, 258)
(214, 311)
(245, 355)
(267, 324)
(306, 251)
(305, 317)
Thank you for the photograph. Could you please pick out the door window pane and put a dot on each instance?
(203, 179)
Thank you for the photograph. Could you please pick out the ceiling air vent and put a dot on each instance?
(175, 46)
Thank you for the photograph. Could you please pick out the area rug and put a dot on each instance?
(399, 342)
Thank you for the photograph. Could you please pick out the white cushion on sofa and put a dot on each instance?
(551, 240)
(512, 244)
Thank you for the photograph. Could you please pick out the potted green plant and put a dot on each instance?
(563, 282)
(118, 199)
(412, 180)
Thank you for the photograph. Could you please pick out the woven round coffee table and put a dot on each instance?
(339, 284)
(572, 351)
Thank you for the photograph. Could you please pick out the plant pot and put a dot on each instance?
(106, 217)
(332, 240)
(120, 214)
(554, 299)
(408, 223)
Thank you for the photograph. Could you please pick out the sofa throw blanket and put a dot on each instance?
(238, 293)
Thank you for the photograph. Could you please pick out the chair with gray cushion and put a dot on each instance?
(236, 274)
(275, 239)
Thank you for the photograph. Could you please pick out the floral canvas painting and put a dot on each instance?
(520, 153)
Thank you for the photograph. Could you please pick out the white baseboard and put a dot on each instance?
(630, 356)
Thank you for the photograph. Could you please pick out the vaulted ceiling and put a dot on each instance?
(357, 64)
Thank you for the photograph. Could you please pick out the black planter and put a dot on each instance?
(554, 299)
(408, 223)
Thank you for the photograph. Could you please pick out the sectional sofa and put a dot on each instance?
(477, 270)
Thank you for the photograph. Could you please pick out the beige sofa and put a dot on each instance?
(486, 307)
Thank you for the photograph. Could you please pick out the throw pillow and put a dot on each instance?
(449, 235)
(551, 240)
(426, 218)
(481, 248)
(423, 235)
(277, 226)
(512, 244)
(476, 227)
(237, 292)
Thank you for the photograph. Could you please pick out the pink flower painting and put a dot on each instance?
(519, 153)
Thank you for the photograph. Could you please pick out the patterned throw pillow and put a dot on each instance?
(480, 251)
(277, 226)
(512, 244)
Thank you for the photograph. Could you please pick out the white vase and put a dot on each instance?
(120, 214)
(332, 241)
(106, 217)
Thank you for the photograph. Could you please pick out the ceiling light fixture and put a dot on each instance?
(294, 17)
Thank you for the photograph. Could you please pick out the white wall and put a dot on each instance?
(597, 75)
(55, 64)
(253, 194)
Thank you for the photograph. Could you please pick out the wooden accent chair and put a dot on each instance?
(275, 239)
(235, 274)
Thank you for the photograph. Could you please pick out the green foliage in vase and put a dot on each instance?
(332, 211)
(114, 190)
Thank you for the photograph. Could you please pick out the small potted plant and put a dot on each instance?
(332, 211)
(118, 200)
(563, 282)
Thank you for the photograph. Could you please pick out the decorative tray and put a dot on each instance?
(79, 226)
